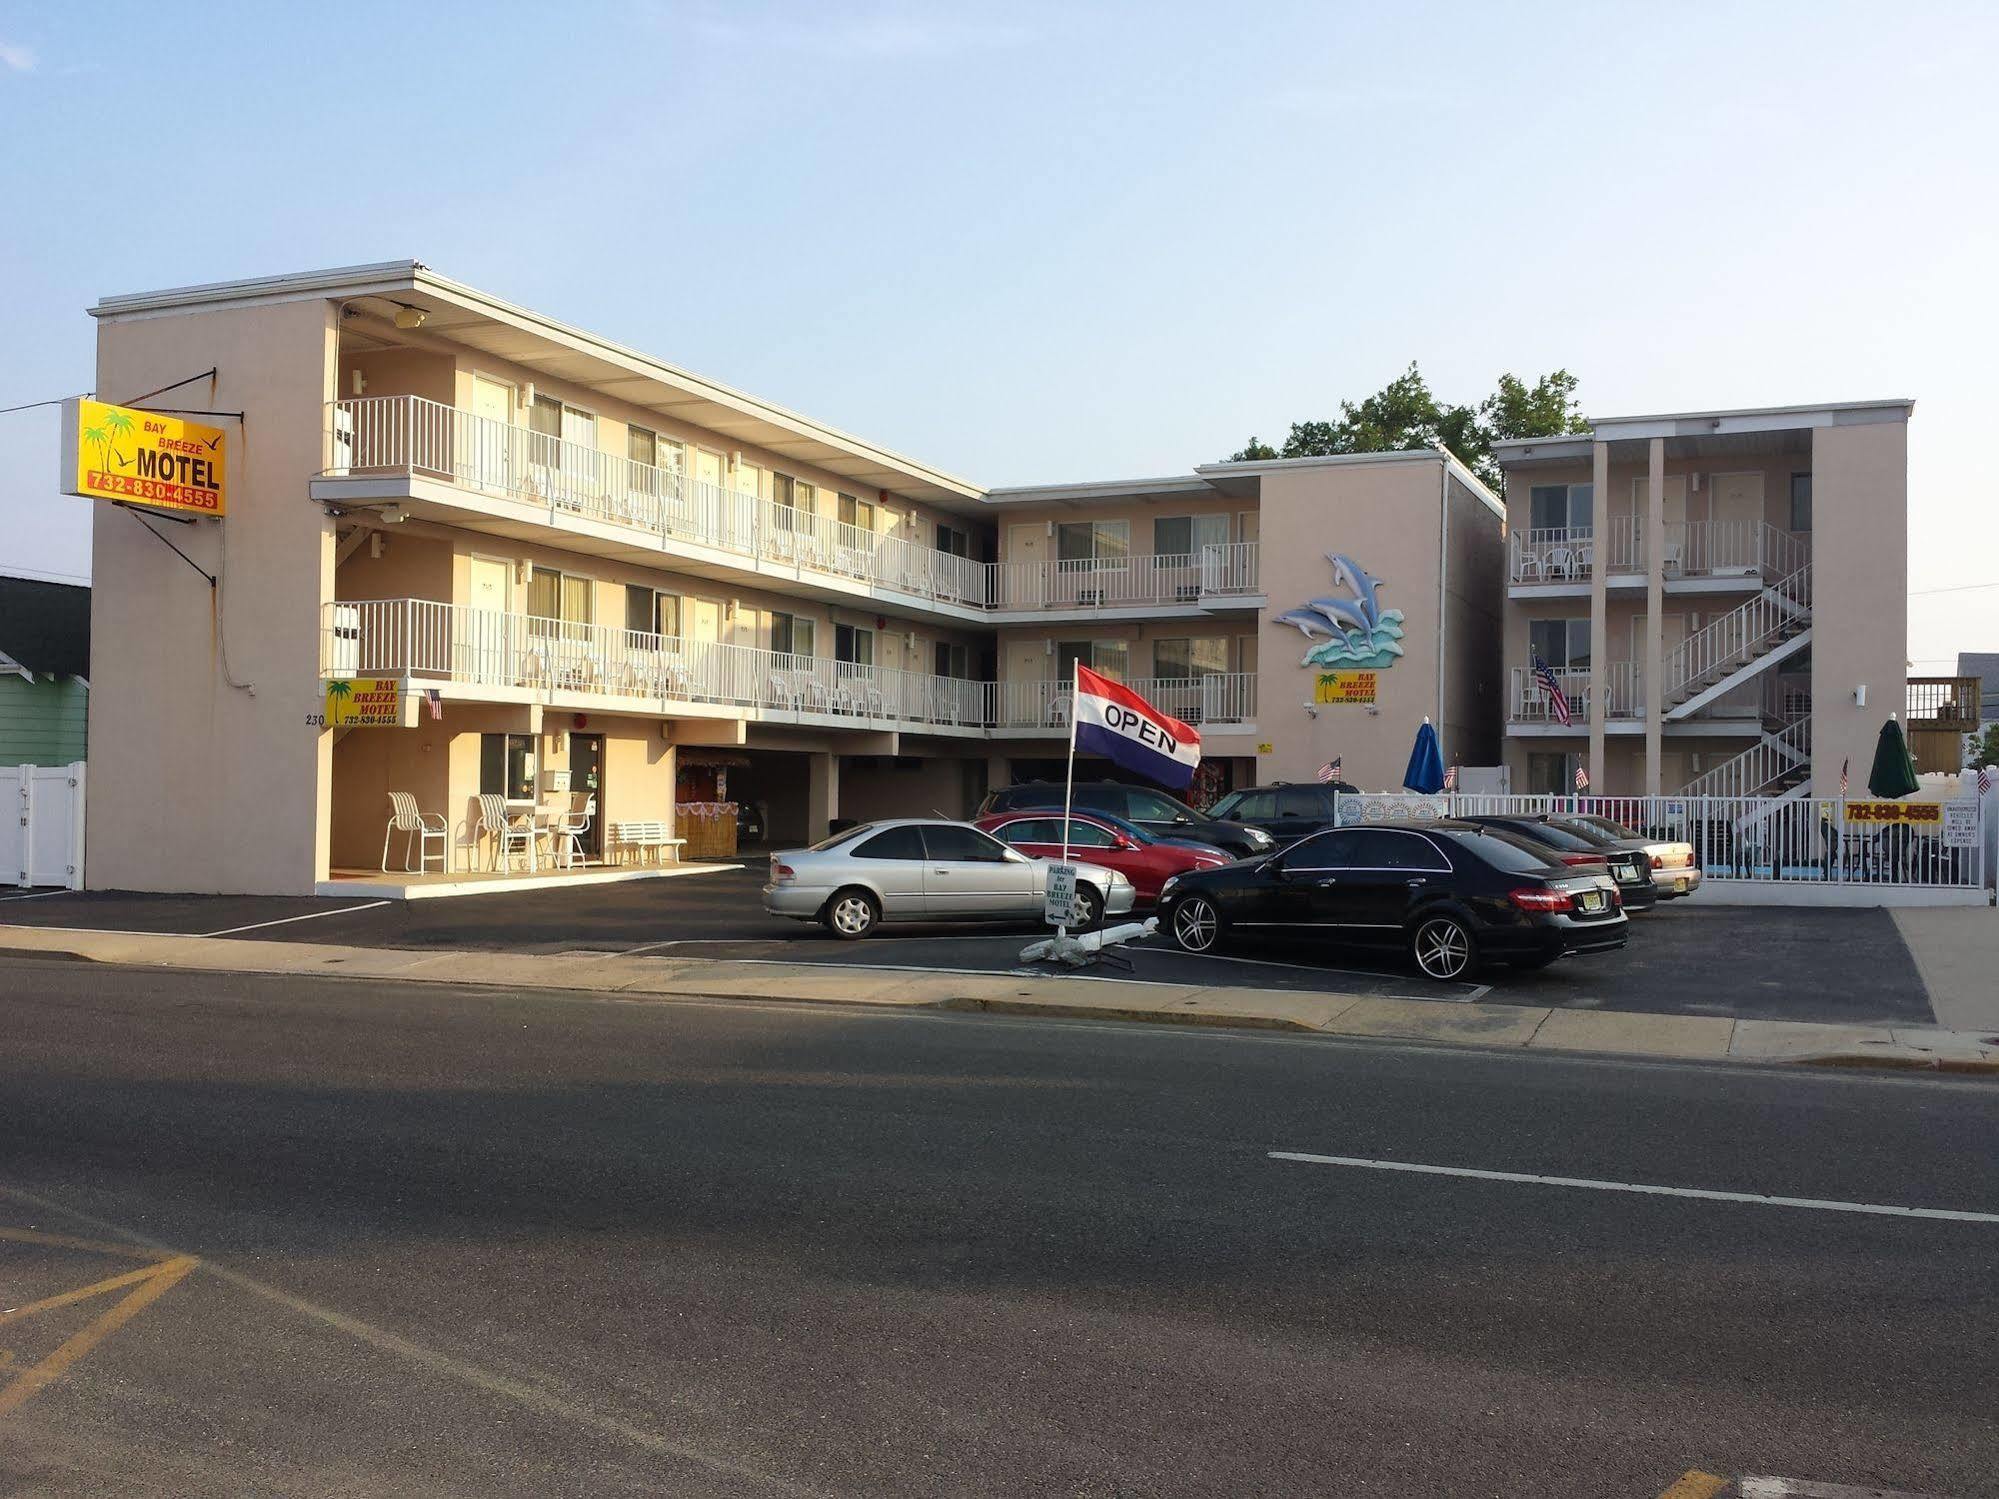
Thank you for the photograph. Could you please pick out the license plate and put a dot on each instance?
(1680, 886)
(1592, 900)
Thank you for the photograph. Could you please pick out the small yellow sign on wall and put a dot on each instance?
(1344, 687)
(1921, 813)
(364, 703)
(144, 458)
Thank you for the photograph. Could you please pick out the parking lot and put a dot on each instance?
(1685, 958)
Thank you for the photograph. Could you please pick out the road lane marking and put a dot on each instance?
(1824, 1205)
(1799, 1488)
(1694, 1484)
(544, 1401)
(257, 926)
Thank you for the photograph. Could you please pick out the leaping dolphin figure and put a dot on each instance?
(1344, 612)
(1307, 620)
(1348, 573)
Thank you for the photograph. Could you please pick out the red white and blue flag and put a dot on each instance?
(1115, 722)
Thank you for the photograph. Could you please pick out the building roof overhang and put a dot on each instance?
(466, 315)
(1737, 432)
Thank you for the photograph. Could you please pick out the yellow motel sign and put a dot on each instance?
(1345, 687)
(144, 458)
(364, 703)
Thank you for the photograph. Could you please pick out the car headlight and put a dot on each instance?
(1259, 837)
(1165, 889)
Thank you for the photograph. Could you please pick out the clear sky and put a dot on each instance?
(1032, 242)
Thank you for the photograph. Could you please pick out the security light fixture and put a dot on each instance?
(409, 318)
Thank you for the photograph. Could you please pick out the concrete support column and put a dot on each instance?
(822, 794)
(999, 771)
(1599, 608)
(1654, 664)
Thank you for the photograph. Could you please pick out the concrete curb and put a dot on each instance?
(1484, 1025)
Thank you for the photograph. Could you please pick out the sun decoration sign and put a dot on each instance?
(139, 457)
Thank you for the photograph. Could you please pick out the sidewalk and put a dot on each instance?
(1527, 1027)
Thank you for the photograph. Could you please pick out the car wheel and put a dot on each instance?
(852, 914)
(1196, 925)
(1089, 908)
(1444, 947)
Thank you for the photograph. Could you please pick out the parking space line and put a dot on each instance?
(1757, 1199)
(257, 926)
(154, 1283)
(1694, 1484)
(35, 895)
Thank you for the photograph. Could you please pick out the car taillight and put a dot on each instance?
(1582, 859)
(1541, 898)
(781, 874)
(1658, 862)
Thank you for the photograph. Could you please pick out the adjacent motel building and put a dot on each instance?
(585, 568)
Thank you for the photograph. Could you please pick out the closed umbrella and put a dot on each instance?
(1894, 772)
(1426, 763)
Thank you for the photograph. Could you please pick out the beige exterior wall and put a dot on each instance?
(1026, 532)
(206, 774)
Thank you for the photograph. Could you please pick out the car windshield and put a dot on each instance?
(1592, 827)
(1505, 852)
(1552, 835)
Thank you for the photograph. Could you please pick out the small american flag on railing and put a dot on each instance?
(1330, 771)
(1844, 766)
(1984, 779)
(1450, 778)
(1582, 776)
(1558, 700)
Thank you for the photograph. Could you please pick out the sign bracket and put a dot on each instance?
(167, 541)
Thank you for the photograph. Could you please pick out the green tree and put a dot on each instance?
(1985, 747)
(1405, 414)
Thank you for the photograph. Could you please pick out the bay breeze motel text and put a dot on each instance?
(579, 564)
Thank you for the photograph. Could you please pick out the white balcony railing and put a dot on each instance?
(1552, 554)
(1623, 694)
(1220, 699)
(427, 641)
(418, 437)
(1732, 548)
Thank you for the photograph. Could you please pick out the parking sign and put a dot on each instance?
(1060, 904)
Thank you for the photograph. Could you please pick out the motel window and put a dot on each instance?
(790, 634)
(954, 539)
(853, 645)
(506, 766)
(857, 512)
(1561, 507)
(1551, 775)
(642, 445)
(954, 661)
(1185, 660)
(1093, 541)
(1563, 643)
(1110, 658)
(1188, 535)
(1801, 502)
(558, 595)
(651, 612)
(793, 499)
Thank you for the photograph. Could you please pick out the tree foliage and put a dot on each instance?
(1405, 414)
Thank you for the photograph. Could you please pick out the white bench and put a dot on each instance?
(648, 840)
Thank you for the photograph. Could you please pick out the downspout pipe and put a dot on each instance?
(1443, 578)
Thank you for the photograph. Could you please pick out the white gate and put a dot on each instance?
(41, 825)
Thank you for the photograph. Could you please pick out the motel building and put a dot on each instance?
(1720, 594)
(501, 568)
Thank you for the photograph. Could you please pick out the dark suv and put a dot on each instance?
(1286, 812)
(1155, 811)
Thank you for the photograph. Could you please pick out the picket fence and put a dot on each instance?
(41, 825)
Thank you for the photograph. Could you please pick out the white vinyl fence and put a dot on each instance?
(41, 825)
(1807, 843)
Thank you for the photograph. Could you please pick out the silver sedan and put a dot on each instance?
(925, 869)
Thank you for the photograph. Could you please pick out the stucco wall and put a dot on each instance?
(1860, 613)
(197, 784)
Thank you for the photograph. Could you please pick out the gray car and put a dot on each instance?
(925, 869)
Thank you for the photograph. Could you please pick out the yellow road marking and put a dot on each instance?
(1694, 1484)
(67, 1298)
(95, 1246)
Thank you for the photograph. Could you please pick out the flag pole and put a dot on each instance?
(1069, 785)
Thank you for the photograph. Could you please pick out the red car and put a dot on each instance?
(1095, 838)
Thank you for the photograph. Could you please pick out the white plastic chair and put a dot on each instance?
(507, 832)
(419, 830)
(569, 828)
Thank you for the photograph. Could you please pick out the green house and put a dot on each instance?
(44, 671)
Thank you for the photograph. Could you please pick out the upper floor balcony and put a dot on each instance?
(1531, 704)
(490, 474)
(501, 656)
(1704, 556)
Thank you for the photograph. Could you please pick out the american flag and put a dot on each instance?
(1451, 778)
(1984, 779)
(1582, 776)
(1558, 700)
(435, 699)
(1330, 771)
(1842, 775)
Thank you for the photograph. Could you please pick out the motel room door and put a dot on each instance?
(1736, 504)
(586, 777)
(484, 625)
(1026, 583)
(705, 661)
(485, 454)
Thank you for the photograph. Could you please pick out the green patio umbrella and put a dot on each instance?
(1894, 772)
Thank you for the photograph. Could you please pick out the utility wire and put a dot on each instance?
(1916, 593)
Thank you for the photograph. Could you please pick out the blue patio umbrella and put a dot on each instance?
(1426, 763)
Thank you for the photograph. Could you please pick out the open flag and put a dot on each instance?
(1113, 721)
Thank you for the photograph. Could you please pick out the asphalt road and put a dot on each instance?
(473, 1243)
(1685, 958)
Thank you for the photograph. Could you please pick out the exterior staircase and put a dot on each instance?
(1720, 656)
(1777, 765)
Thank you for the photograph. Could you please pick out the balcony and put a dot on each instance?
(526, 658)
(511, 476)
(1623, 697)
(1944, 704)
(1703, 555)
(1223, 700)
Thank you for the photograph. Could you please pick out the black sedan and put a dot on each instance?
(1450, 894)
(1580, 843)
